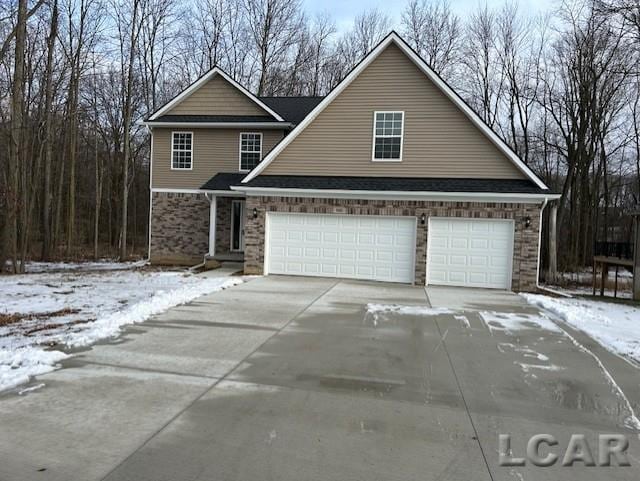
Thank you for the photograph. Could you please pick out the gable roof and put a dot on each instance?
(202, 81)
(394, 38)
(293, 109)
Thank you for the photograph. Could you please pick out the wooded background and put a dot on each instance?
(77, 75)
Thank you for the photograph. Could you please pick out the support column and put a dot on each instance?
(212, 226)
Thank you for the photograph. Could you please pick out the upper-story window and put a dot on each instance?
(388, 129)
(250, 150)
(182, 150)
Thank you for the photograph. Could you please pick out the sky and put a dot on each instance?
(344, 11)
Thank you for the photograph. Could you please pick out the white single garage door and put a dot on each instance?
(470, 252)
(348, 246)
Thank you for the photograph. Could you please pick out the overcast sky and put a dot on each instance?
(343, 11)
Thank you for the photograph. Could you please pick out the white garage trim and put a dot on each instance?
(391, 261)
(467, 271)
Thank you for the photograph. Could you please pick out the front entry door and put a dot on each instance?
(237, 226)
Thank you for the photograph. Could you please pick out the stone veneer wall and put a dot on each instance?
(179, 228)
(525, 250)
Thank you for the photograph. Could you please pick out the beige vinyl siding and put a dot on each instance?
(214, 151)
(217, 97)
(439, 140)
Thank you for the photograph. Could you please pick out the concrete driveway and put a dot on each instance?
(294, 379)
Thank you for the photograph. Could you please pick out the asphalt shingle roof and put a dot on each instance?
(292, 109)
(223, 180)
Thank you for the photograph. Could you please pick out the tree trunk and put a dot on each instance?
(127, 132)
(46, 194)
(15, 141)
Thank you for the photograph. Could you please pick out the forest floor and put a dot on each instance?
(56, 306)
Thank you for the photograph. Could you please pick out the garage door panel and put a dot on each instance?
(347, 237)
(367, 239)
(438, 241)
(470, 252)
(384, 256)
(359, 247)
(384, 240)
(478, 261)
(459, 243)
(294, 267)
(478, 243)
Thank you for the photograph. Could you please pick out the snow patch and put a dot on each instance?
(615, 326)
(17, 367)
(510, 322)
(464, 321)
(109, 326)
(96, 306)
(543, 367)
(408, 310)
(26, 390)
(605, 323)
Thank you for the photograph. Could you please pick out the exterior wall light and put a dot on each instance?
(255, 213)
(527, 222)
(423, 218)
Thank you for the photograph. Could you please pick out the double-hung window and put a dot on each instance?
(388, 129)
(182, 150)
(250, 150)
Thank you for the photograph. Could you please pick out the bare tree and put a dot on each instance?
(129, 28)
(434, 31)
(484, 77)
(275, 27)
(48, 135)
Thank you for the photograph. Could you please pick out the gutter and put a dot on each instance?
(399, 195)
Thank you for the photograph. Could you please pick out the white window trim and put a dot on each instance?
(171, 159)
(373, 142)
(240, 169)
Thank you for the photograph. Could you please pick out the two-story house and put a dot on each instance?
(390, 177)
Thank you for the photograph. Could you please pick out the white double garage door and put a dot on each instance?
(461, 252)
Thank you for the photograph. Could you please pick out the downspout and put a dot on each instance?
(538, 285)
(213, 207)
(212, 233)
(150, 130)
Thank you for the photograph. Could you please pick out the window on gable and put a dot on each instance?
(182, 151)
(250, 150)
(387, 135)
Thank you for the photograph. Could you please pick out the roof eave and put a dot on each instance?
(498, 197)
(220, 125)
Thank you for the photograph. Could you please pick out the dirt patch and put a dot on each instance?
(12, 318)
(48, 326)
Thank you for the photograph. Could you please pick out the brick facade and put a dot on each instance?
(179, 228)
(525, 250)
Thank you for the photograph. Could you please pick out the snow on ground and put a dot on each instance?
(80, 304)
(624, 292)
(615, 326)
(511, 322)
(105, 265)
(408, 310)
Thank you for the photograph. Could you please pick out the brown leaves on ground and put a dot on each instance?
(12, 318)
